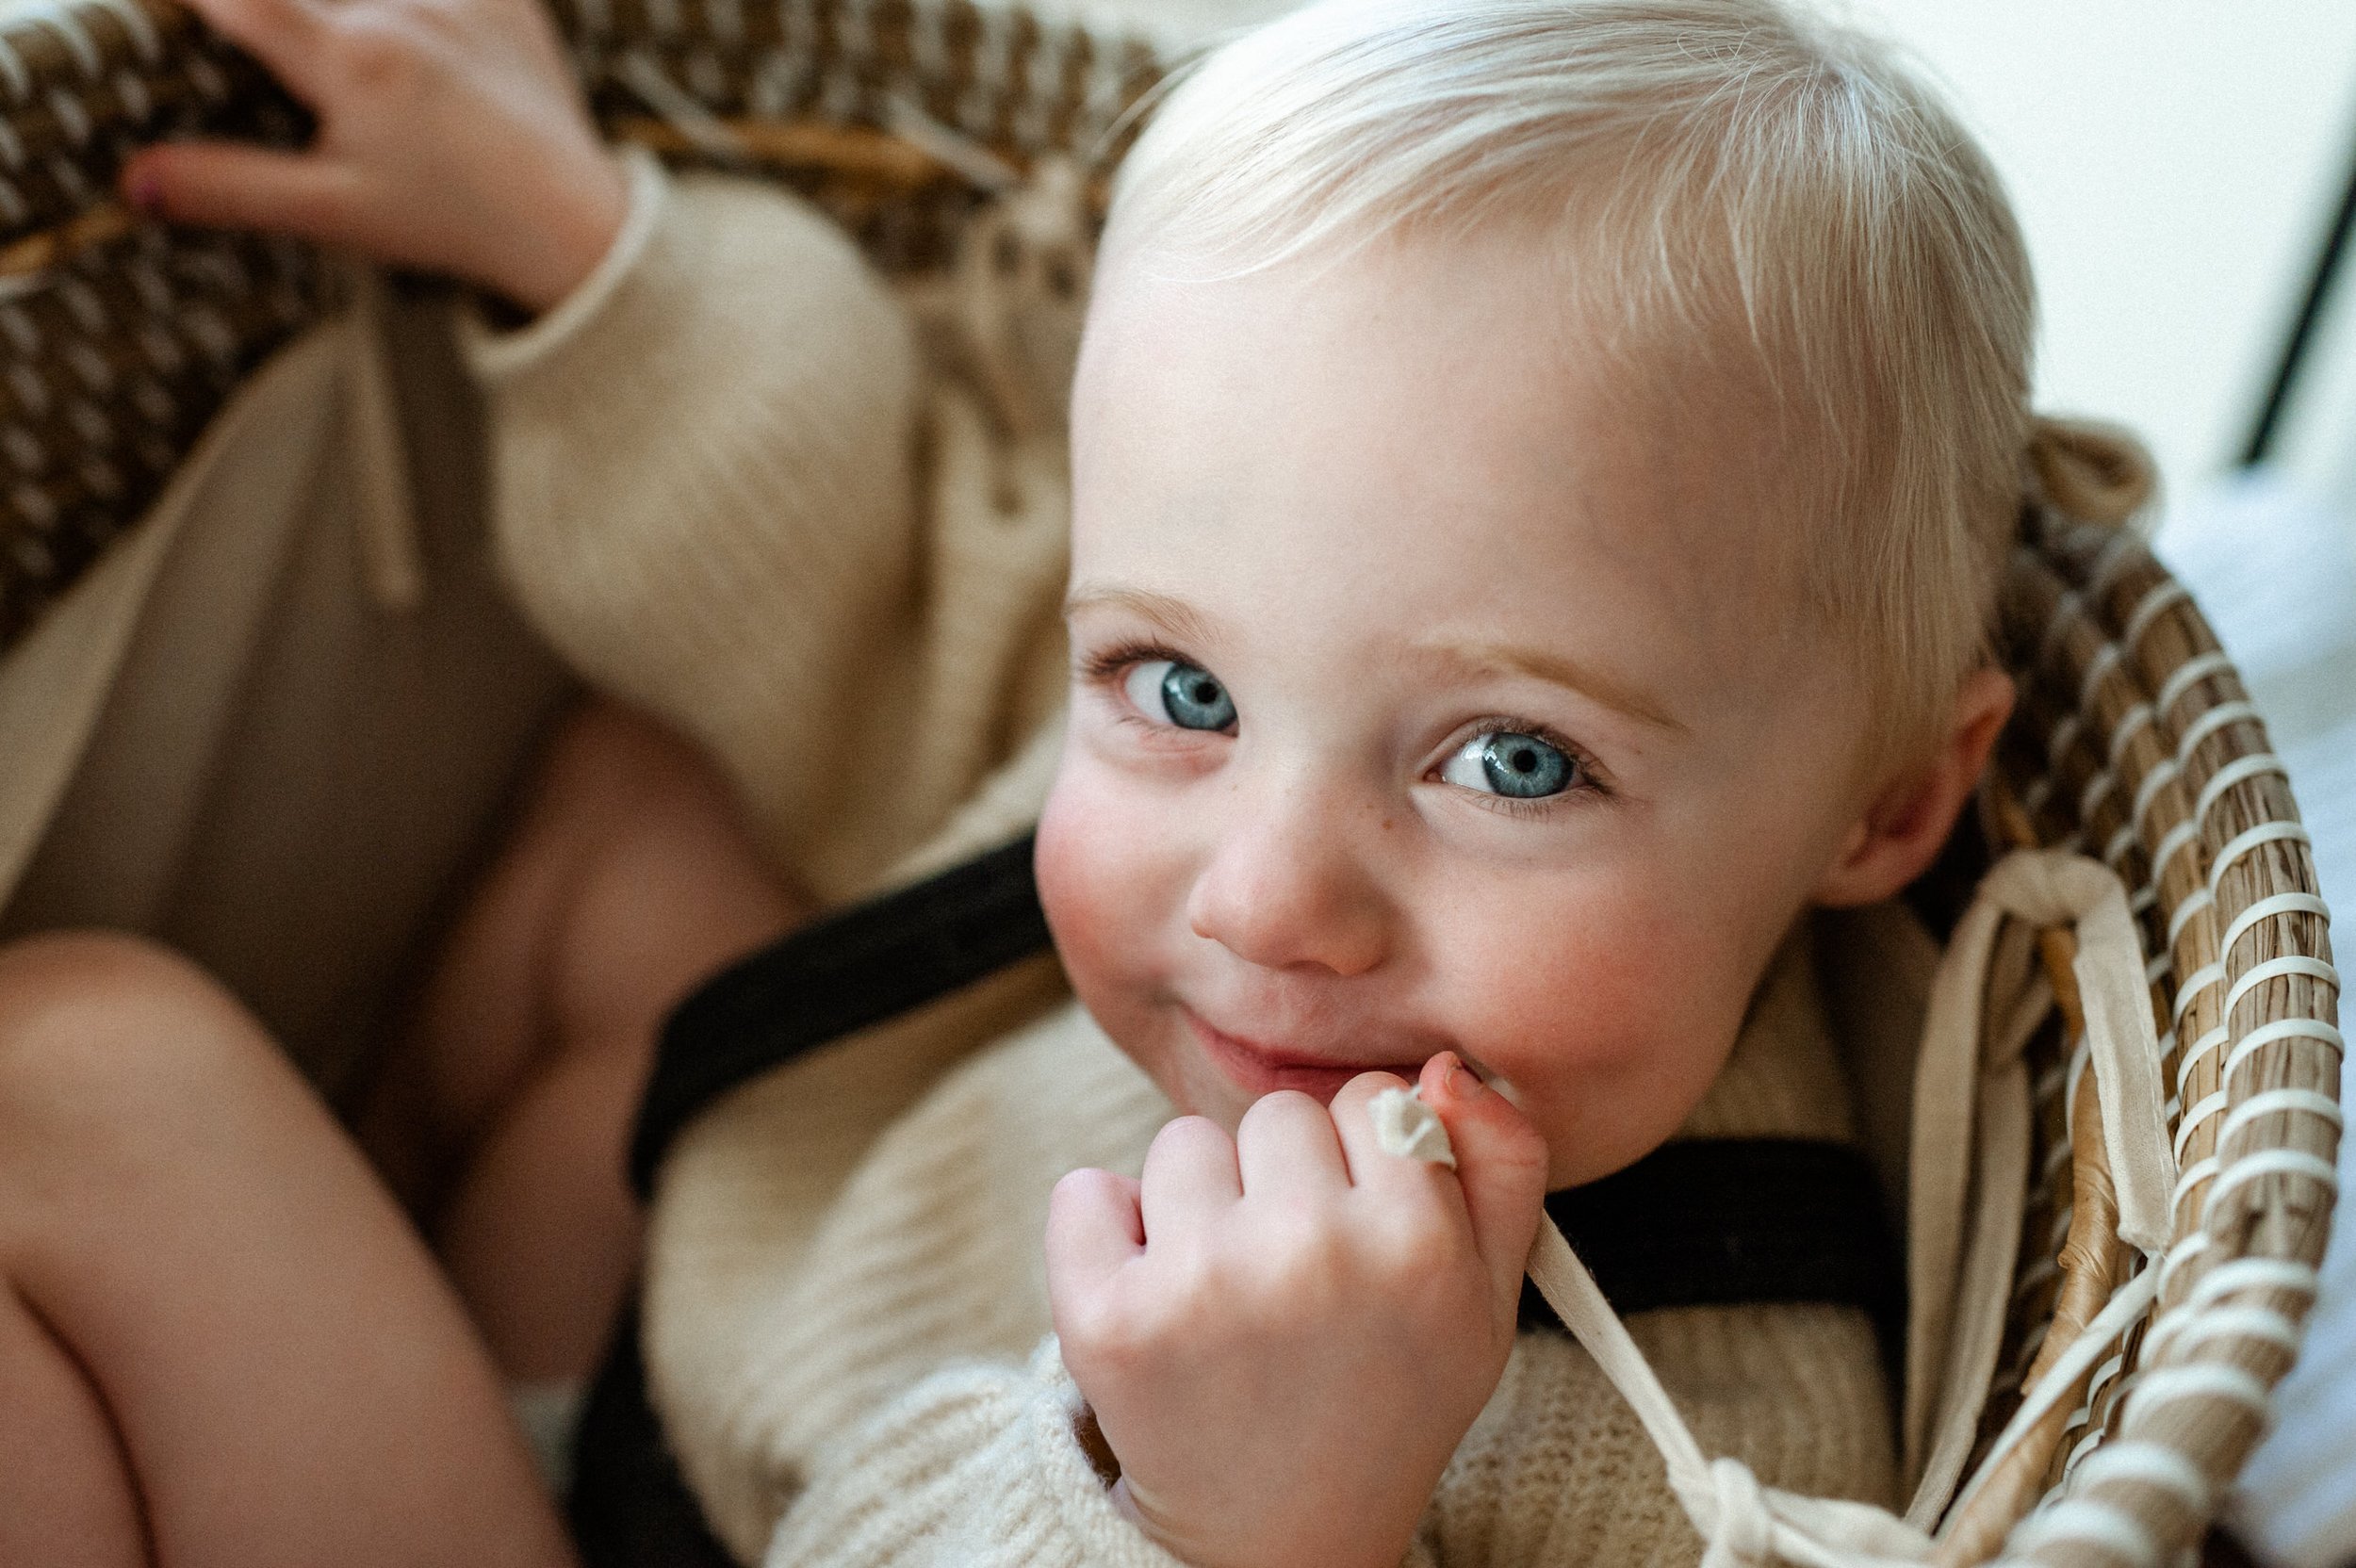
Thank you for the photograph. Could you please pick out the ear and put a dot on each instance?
(1910, 817)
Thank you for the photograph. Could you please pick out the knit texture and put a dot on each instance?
(729, 489)
(897, 1404)
(724, 490)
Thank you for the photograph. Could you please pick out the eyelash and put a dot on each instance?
(1590, 777)
(1105, 667)
(1111, 661)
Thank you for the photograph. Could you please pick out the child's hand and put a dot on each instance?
(1285, 1335)
(451, 137)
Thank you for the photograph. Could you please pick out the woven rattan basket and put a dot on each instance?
(2135, 744)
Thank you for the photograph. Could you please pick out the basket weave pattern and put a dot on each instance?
(120, 338)
(2137, 744)
(118, 342)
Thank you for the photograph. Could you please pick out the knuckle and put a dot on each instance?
(1080, 1197)
(1373, 1082)
(1186, 1136)
(1272, 1111)
(1510, 1125)
(1188, 1128)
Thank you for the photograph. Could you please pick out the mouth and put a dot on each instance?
(1260, 1069)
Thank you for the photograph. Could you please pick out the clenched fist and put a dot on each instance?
(1283, 1336)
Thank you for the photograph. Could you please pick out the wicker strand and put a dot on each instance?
(2237, 919)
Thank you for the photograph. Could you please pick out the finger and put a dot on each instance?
(226, 185)
(1286, 1148)
(1370, 1167)
(291, 37)
(1093, 1228)
(1500, 1166)
(1190, 1179)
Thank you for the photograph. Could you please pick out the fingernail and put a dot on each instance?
(1462, 1081)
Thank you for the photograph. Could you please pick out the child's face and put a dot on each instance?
(1432, 693)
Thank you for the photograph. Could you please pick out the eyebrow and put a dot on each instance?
(1585, 679)
(1185, 624)
(1182, 621)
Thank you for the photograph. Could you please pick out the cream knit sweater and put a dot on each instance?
(726, 490)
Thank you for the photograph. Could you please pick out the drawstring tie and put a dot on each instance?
(1744, 1524)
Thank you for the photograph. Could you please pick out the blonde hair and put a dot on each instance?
(1717, 164)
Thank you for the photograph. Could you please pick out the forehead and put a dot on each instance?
(1429, 429)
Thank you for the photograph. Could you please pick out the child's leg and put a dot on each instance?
(628, 882)
(220, 1340)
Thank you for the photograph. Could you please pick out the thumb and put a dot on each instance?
(1500, 1163)
(226, 185)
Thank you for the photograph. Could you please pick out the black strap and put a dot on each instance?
(1722, 1221)
(1709, 1222)
(852, 970)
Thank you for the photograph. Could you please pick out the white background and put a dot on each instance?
(2174, 163)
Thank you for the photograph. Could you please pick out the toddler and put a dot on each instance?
(1537, 471)
(1538, 477)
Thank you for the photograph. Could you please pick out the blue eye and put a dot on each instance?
(1190, 697)
(1505, 762)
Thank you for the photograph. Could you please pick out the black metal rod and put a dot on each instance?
(2301, 339)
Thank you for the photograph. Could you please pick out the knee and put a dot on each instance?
(95, 1024)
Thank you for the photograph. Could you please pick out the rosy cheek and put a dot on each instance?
(1071, 877)
(1095, 868)
(1106, 879)
(1600, 1011)
(1580, 979)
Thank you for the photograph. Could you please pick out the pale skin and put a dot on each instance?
(1383, 513)
(221, 1339)
(231, 1331)
(1343, 528)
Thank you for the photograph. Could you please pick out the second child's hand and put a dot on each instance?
(1283, 1336)
(452, 137)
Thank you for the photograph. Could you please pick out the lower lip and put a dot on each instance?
(1259, 1074)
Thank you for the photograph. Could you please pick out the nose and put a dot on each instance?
(1287, 886)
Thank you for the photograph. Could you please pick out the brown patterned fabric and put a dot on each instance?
(118, 340)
